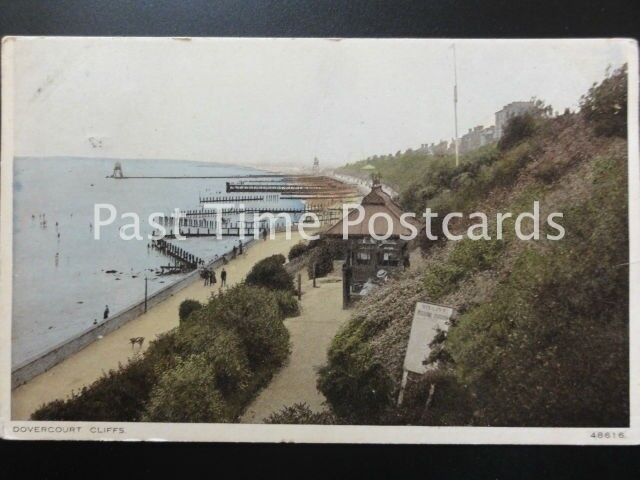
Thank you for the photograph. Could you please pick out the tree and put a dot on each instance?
(605, 105)
(517, 129)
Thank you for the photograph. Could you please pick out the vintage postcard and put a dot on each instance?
(320, 240)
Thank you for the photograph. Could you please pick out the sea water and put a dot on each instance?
(60, 280)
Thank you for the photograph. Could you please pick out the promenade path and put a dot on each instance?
(311, 333)
(89, 364)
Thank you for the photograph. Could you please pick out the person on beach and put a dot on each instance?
(205, 274)
(213, 280)
(223, 278)
(106, 312)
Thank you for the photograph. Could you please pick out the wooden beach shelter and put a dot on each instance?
(367, 256)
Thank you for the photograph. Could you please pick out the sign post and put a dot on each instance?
(428, 320)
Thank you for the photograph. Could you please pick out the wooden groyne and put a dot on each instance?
(189, 260)
(232, 199)
(303, 187)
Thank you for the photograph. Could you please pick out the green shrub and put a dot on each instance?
(187, 393)
(442, 279)
(222, 348)
(517, 129)
(357, 387)
(467, 257)
(605, 105)
(300, 414)
(436, 398)
(298, 250)
(120, 394)
(117, 396)
(287, 303)
(208, 369)
(187, 307)
(254, 313)
(322, 260)
(270, 273)
(277, 258)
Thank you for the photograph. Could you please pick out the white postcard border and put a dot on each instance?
(47, 430)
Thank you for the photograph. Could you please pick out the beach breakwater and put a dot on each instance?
(39, 364)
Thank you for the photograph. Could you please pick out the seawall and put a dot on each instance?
(39, 364)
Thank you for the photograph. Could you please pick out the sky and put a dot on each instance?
(280, 101)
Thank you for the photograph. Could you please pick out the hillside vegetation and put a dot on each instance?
(540, 335)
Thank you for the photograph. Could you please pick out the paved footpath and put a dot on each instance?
(89, 364)
(311, 333)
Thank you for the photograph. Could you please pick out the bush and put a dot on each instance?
(287, 303)
(449, 402)
(277, 258)
(518, 128)
(300, 414)
(270, 273)
(208, 369)
(468, 257)
(605, 105)
(222, 348)
(118, 396)
(322, 257)
(255, 315)
(298, 250)
(357, 387)
(187, 393)
(187, 307)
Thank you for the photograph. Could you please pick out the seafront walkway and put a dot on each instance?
(311, 333)
(107, 353)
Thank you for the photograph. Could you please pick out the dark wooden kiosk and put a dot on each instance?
(367, 258)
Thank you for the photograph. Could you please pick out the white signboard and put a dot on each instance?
(428, 319)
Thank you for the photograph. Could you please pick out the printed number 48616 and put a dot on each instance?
(607, 435)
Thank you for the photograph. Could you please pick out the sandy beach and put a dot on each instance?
(107, 353)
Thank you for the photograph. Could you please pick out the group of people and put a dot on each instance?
(210, 277)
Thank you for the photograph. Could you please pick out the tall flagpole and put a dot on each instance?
(455, 101)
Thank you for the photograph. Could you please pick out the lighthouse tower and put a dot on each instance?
(316, 166)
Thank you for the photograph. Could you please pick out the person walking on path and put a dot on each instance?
(205, 274)
(235, 252)
(239, 247)
(213, 280)
(106, 312)
(223, 278)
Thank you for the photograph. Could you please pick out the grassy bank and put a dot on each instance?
(540, 337)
